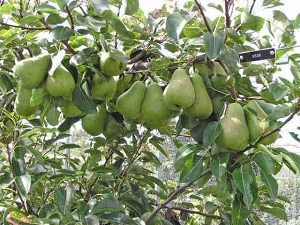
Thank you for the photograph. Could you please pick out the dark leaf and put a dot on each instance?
(83, 102)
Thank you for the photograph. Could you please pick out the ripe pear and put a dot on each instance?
(22, 104)
(258, 124)
(32, 71)
(235, 133)
(112, 129)
(202, 106)
(61, 83)
(111, 66)
(70, 110)
(179, 93)
(153, 108)
(94, 123)
(103, 87)
(129, 104)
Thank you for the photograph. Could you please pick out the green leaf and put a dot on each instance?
(5, 181)
(251, 22)
(68, 122)
(18, 166)
(218, 165)
(275, 211)
(160, 63)
(265, 162)
(214, 44)
(23, 184)
(82, 209)
(116, 218)
(36, 153)
(30, 19)
(211, 132)
(62, 197)
(92, 220)
(83, 102)
(7, 9)
(239, 212)
(99, 6)
(271, 184)
(229, 56)
(281, 27)
(193, 168)
(242, 179)
(155, 141)
(175, 23)
(295, 69)
(132, 6)
(29, 133)
(182, 155)
(62, 33)
(107, 206)
(78, 59)
(68, 146)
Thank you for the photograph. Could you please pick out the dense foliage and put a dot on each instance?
(105, 66)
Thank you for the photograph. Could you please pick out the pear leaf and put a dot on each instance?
(239, 212)
(242, 179)
(83, 102)
(99, 6)
(270, 183)
(175, 23)
(214, 44)
(211, 132)
(218, 165)
(251, 22)
(132, 6)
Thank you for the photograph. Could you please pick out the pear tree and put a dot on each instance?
(129, 80)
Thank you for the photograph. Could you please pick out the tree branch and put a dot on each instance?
(174, 195)
(203, 16)
(71, 18)
(23, 27)
(196, 212)
(6, 69)
(252, 6)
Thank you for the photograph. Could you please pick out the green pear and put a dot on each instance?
(22, 104)
(179, 93)
(258, 124)
(52, 116)
(129, 104)
(111, 66)
(70, 110)
(32, 71)
(153, 108)
(61, 83)
(94, 123)
(103, 87)
(235, 133)
(38, 95)
(112, 129)
(123, 84)
(202, 106)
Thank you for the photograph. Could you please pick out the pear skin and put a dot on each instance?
(235, 133)
(32, 71)
(129, 104)
(94, 123)
(103, 87)
(258, 124)
(153, 108)
(70, 110)
(110, 66)
(112, 129)
(22, 104)
(202, 106)
(179, 93)
(61, 83)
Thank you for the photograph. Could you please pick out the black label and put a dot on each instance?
(257, 55)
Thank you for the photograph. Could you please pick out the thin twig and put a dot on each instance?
(71, 18)
(23, 27)
(252, 6)
(227, 16)
(203, 16)
(196, 212)
(174, 195)
(6, 69)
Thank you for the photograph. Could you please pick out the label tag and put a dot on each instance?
(268, 53)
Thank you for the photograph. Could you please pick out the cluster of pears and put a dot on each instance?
(37, 87)
(242, 125)
(101, 123)
(154, 107)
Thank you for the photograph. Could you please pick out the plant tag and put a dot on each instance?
(257, 55)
